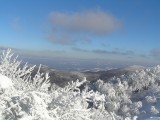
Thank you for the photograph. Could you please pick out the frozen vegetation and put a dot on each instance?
(128, 97)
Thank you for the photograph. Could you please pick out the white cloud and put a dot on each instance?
(93, 21)
(78, 27)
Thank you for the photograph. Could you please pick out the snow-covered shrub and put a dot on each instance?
(117, 96)
(151, 99)
(133, 94)
(11, 67)
(26, 97)
(154, 110)
(5, 83)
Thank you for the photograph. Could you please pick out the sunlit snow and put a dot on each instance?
(132, 97)
(5, 82)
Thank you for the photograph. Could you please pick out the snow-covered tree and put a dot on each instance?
(27, 97)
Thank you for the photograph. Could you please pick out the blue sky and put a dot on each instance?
(118, 30)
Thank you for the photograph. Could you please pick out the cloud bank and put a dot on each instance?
(67, 39)
(96, 22)
(70, 28)
(98, 51)
(101, 51)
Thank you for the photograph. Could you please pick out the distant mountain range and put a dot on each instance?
(62, 77)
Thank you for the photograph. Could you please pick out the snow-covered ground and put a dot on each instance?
(5, 82)
(128, 97)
